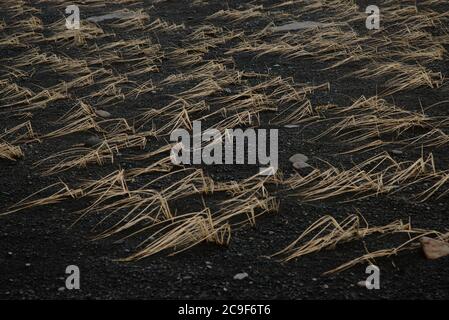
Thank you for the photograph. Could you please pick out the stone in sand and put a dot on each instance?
(93, 141)
(362, 284)
(102, 113)
(299, 157)
(121, 14)
(301, 165)
(434, 249)
(241, 276)
(294, 26)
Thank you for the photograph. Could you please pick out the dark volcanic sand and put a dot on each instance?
(38, 244)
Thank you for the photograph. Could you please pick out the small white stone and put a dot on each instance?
(241, 276)
(298, 157)
(102, 113)
(434, 249)
(301, 165)
(294, 26)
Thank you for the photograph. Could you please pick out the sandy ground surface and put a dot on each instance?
(38, 243)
